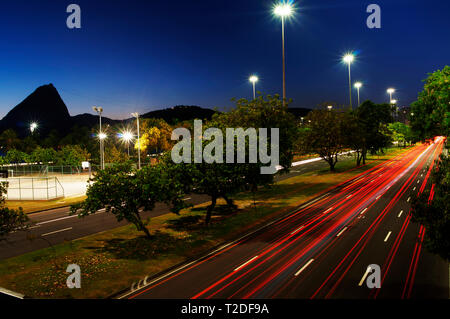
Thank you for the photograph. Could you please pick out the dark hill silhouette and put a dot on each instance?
(180, 113)
(45, 107)
(90, 120)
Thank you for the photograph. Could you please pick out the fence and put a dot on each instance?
(22, 170)
(33, 188)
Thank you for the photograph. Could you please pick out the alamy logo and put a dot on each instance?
(374, 20)
(74, 19)
(258, 143)
(372, 277)
(74, 280)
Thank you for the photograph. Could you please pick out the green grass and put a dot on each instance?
(113, 260)
(36, 205)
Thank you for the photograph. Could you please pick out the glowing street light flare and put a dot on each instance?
(99, 111)
(127, 137)
(283, 10)
(102, 136)
(253, 79)
(393, 101)
(33, 127)
(358, 86)
(348, 59)
(390, 91)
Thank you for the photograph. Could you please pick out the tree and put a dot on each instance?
(401, 133)
(125, 193)
(114, 155)
(72, 155)
(16, 157)
(10, 219)
(156, 136)
(223, 180)
(433, 211)
(431, 111)
(9, 140)
(43, 155)
(323, 134)
(368, 132)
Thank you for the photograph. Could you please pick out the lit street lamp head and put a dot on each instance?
(102, 136)
(33, 127)
(358, 85)
(393, 101)
(348, 58)
(283, 10)
(391, 90)
(97, 109)
(126, 136)
(253, 79)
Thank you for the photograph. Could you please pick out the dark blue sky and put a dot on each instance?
(133, 55)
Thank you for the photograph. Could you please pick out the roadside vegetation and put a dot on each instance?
(126, 254)
(241, 197)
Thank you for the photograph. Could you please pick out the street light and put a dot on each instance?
(330, 107)
(283, 10)
(254, 79)
(99, 111)
(390, 91)
(136, 115)
(393, 102)
(358, 85)
(348, 59)
(126, 137)
(33, 127)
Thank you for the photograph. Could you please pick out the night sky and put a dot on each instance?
(145, 55)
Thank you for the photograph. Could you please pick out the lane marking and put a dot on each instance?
(246, 263)
(401, 212)
(187, 198)
(365, 275)
(343, 230)
(378, 197)
(409, 198)
(297, 230)
(349, 196)
(387, 237)
(304, 267)
(57, 231)
(55, 220)
(365, 209)
(328, 210)
(414, 188)
(418, 181)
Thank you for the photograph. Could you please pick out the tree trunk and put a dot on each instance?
(210, 209)
(230, 202)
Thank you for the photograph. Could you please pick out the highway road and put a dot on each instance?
(324, 248)
(57, 226)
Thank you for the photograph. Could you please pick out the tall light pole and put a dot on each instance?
(101, 136)
(254, 79)
(358, 85)
(348, 58)
(283, 10)
(136, 115)
(390, 91)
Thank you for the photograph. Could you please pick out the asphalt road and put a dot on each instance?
(324, 249)
(56, 226)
